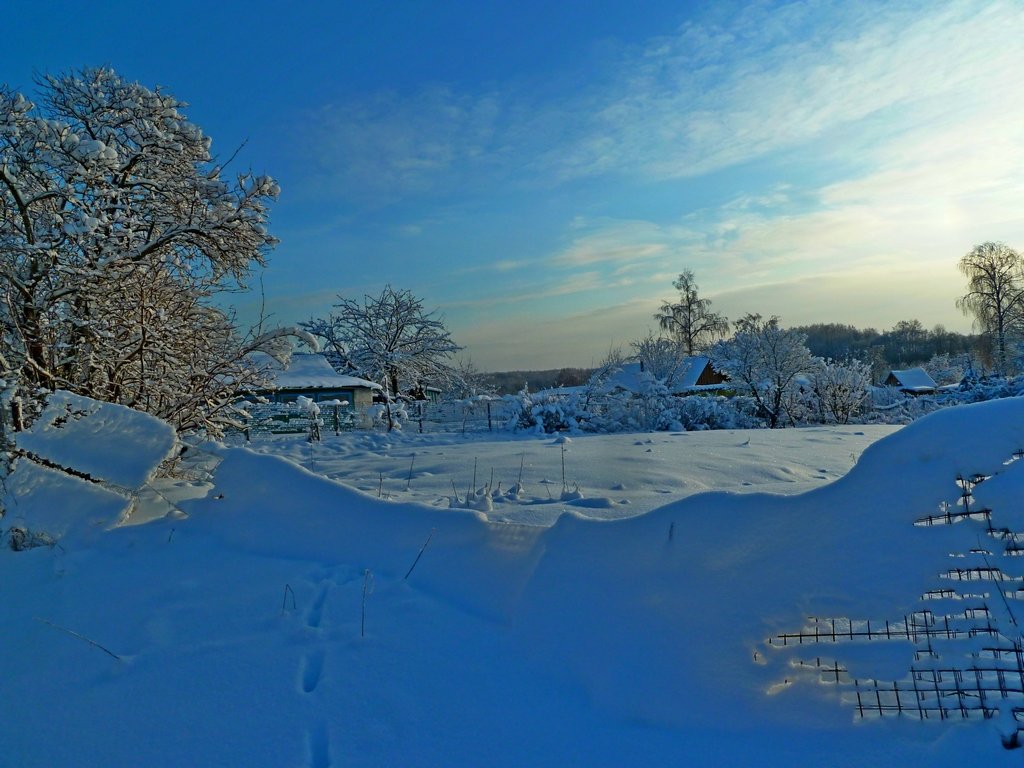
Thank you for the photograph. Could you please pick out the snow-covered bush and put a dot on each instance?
(312, 412)
(545, 412)
(380, 416)
(841, 389)
(698, 412)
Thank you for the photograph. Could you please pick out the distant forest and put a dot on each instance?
(510, 382)
(906, 344)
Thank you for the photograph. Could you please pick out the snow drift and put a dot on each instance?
(290, 620)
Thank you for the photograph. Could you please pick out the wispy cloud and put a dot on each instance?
(387, 145)
(578, 283)
(714, 96)
(620, 243)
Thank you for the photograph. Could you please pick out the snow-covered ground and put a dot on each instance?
(600, 476)
(280, 618)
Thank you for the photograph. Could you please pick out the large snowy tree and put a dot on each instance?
(690, 319)
(995, 295)
(390, 339)
(766, 360)
(116, 227)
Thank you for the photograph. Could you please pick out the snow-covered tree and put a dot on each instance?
(841, 388)
(690, 319)
(995, 295)
(116, 227)
(467, 381)
(662, 358)
(949, 369)
(390, 339)
(766, 360)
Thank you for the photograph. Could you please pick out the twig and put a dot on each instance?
(380, 488)
(408, 481)
(284, 600)
(80, 637)
(522, 461)
(456, 490)
(170, 536)
(421, 553)
(563, 467)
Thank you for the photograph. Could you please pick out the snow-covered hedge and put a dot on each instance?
(652, 407)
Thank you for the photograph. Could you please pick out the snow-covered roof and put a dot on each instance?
(686, 379)
(307, 370)
(914, 380)
(629, 376)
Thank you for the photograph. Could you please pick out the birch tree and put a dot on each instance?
(690, 319)
(995, 294)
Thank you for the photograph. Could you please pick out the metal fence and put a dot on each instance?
(419, 416)
(458, 416)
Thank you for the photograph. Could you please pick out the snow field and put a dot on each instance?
(636, 641)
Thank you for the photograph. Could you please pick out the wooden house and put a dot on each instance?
(913, 381)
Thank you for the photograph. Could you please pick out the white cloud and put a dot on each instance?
(618, 242)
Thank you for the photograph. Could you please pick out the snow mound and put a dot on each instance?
(105, 441)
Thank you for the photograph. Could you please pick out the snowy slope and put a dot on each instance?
(279, 624)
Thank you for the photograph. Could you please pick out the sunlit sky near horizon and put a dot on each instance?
(540, 172)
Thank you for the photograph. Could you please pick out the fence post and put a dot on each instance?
(489, 428)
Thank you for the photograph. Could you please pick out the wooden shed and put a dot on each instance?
(311, 375)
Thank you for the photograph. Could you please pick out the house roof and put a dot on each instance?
(914, 380)
(307, 370)
(684, 379)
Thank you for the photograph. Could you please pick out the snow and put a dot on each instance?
(914, 380)
(117, 448)
(308, 371)
(107, 441)
(621, 475)
(290, 619)
(631, 378)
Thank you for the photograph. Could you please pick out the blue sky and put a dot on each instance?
(541, 172)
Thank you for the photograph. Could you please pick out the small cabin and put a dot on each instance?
(311, 375)
(913, 381)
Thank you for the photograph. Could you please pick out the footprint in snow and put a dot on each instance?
(319, 745)
(316, 611)
(312, 670)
